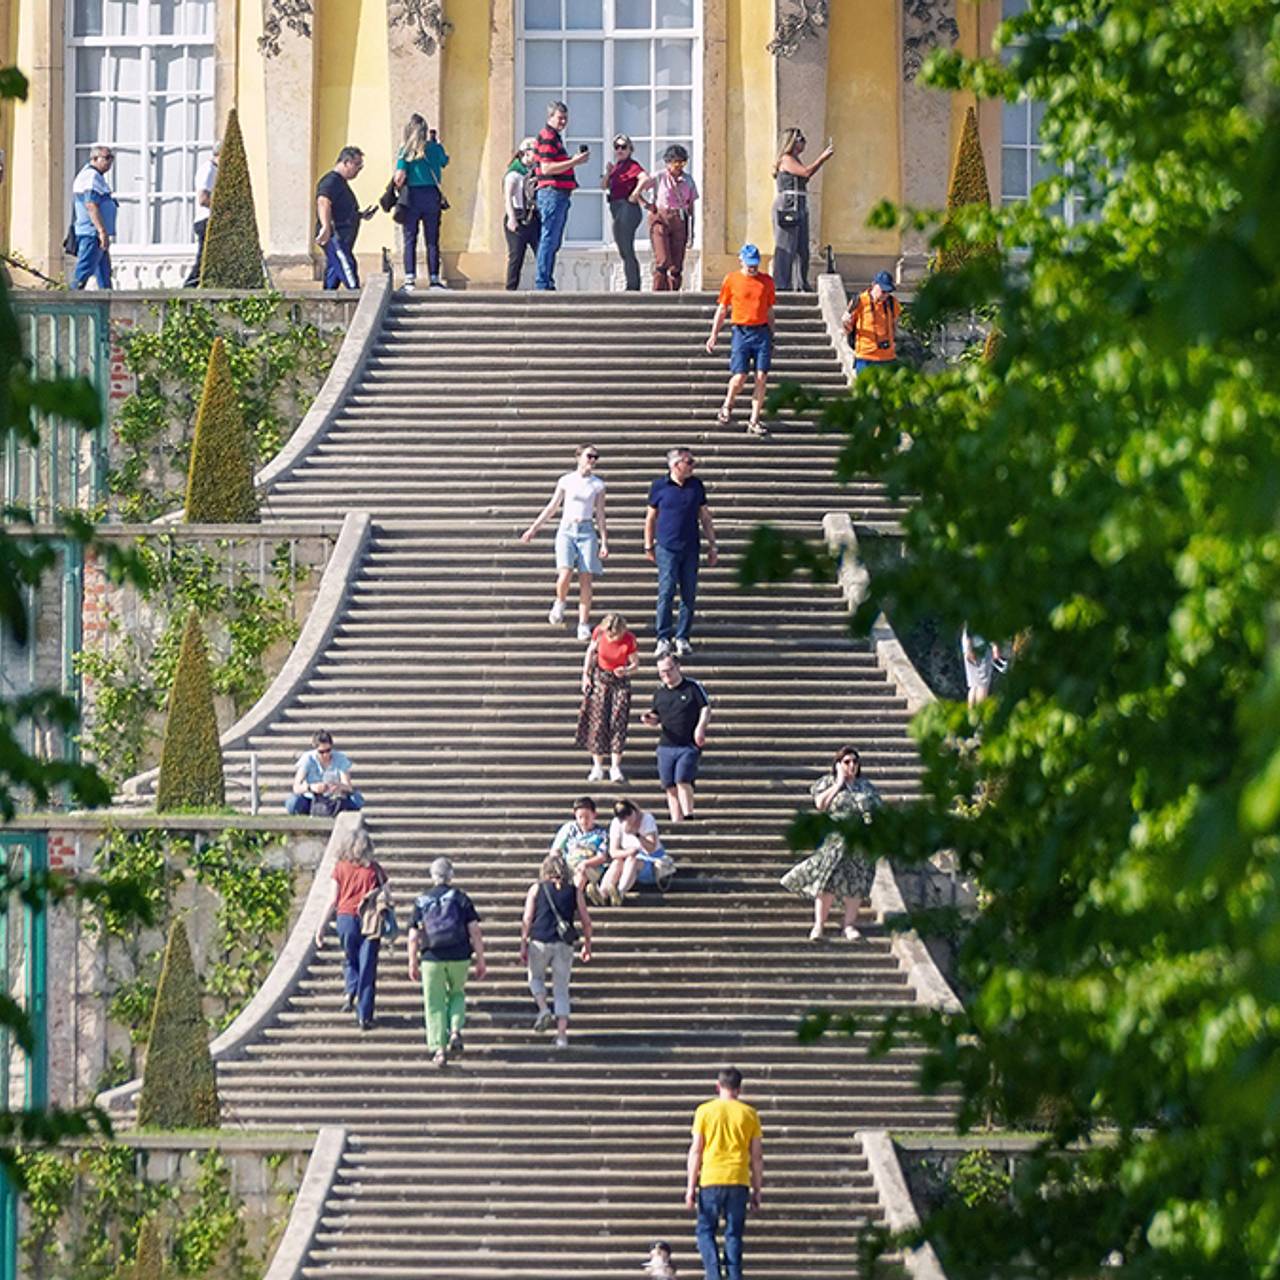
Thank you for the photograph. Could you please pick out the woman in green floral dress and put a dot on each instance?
(832, 872)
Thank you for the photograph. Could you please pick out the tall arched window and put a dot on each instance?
(621, 66)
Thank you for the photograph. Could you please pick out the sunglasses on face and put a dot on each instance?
(592, 457)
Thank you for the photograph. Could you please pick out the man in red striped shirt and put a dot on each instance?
(556, 182)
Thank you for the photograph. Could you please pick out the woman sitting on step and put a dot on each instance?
(635, 853)
(833, 872)
(612, 658)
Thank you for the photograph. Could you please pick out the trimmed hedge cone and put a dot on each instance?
(148, 1259)
(968, 187)
(232, 256)
(191, 757)
(220, 474)
(179, 1087)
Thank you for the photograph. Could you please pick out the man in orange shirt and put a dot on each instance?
(747, 298)
(872, 324)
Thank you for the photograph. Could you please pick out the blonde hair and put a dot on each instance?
(789, 139)
(554, 868)
(614, 624)
(415, 138)
(357, 848)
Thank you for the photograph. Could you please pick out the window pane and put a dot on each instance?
(171, 170)
(631, 111)
(1013, 173)
(1011, 8)
(586, 114)
(199, 17)
(1013, 128)
(542, 15)
(200, 69)
(170, 221)
(91, 120)
(673, 63)
(1037, 119)
(631, 62)
(164, 17)
(633, 13)
(200, 122)
(122, 17)
(674, 13)
(542, 64)
(87, 20)
(535, 111)
(643, 152)
(126, 72)
(168, 70)
(586, 63)
(586, 217)
(1043, 169)
(89, 70)
(583, 15)
(126, 175)
(168, 116)
(124, 121)
(129, 229)
(673, 113)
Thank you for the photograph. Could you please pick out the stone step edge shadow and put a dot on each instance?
(280, 984)
(336, 587)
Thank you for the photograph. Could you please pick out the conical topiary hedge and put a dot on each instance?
(148, 1258)
(968, 187)
(220, 473)
(232, 256)
(191, 757)
(179, 1088)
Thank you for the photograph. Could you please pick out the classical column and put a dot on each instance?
(38, 174)
(708, 264)
(926, 123)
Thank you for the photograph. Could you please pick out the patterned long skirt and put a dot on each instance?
(602, 721)
(831, 870)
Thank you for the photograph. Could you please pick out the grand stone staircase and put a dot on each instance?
(457, 702)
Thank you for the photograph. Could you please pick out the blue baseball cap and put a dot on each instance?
(884, 280)
(750, 255)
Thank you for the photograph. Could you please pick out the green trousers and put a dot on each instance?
(444, 992)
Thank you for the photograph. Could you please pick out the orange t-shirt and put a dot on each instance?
(874, 323)
(612, 655)
(748, 297)
(354, 883)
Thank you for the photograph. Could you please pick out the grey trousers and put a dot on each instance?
(558, 957)
(626, 222)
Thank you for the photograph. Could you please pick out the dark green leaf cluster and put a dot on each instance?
(220, 479)
(191, 756)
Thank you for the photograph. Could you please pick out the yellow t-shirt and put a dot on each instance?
(727, 1127)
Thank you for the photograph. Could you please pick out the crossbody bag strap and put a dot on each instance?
(551, 902)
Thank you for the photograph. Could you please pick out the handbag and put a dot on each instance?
(563, 927)
(387, 200)
(400, 213)
(374, 909)
(71, 241)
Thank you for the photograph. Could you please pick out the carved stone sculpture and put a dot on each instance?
(925, 25)
(276, 16)
(425, 18)
(807, 18)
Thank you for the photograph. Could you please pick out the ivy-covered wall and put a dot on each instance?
(219, 1205)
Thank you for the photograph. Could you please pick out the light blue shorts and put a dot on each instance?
(578, 548)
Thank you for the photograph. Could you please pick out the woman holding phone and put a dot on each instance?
(791, 210)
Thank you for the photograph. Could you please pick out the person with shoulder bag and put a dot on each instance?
(420, 202)
(521, 224)
(547, 940)
(357, 879)
(871, 324)
(791, 210)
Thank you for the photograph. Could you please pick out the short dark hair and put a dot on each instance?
(730, 1078)
(585, 802)
(322, 737)
(623, 809)
(675, 152)
(349, 153)
(846, 751)
(555, 105)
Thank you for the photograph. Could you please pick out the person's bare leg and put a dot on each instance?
(616, 760)
(673, 804)
(757, 396)
(584, 598)
(684, 791)
(627, 878)
(731, 392)
(563, 578)
(851, 908)
(610, 877)
(821, 909)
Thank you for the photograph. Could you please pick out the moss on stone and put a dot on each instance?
(191, 757)
(968, 187)
(220, 474)
(179, 1087)
(232, 256)
(148, 1259)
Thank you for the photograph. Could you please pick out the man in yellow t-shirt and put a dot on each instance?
(726, 1157)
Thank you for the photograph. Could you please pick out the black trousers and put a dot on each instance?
(193, 276)
(524, 237)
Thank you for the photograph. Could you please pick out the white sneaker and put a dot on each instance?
(616, 774)
(584, 631)
(562, 1041)
(409, 284)
(596, 774)
(815, 934)
(662, 648)
(851, 934)
(683, 648)
(556, 616)
(437, 283)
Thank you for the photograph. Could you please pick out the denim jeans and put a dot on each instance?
(360, 964)
(424, 211)
(553, 209)
(677, 570)
(714, 1203)
(92, 262)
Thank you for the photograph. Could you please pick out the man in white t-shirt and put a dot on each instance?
(582, 541)
(206, 176)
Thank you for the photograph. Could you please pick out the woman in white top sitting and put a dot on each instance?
(634, 850)
(582, 541)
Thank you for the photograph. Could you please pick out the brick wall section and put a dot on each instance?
(121, 384)
(62, 853)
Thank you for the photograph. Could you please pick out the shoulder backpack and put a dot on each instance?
(529, 189)
(848, 325)
(443, 927)
(565, 930)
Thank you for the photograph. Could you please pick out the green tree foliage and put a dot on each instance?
(232, 251)
(967, 191)
(1109, 481)
(179, 1087)
(191, 757)
(220, 478)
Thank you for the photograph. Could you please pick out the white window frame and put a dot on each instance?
(145, 43)
(607, 33)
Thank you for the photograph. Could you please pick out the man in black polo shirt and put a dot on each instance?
(677, 506)
(338, 220)
(682, 708)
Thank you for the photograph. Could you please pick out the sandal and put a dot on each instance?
(722, 418)
(757, 428)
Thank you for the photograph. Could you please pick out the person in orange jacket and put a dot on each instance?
(872, 324)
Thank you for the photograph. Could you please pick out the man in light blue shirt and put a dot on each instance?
(94, 210)
(322, 781)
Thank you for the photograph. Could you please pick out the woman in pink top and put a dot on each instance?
(670, 217)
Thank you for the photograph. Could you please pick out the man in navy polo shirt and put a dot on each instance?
(677, 507)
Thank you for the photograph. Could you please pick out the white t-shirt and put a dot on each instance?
(206, 175)
(579, 497)
(628, 842)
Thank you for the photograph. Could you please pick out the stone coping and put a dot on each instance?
(893, 659)
(308, 1206)
(925, 978)
(132, 820)
(97, 298)
(899, 1209)
(832, 303)
(273, 529)
(280, 984)
(267, 1140)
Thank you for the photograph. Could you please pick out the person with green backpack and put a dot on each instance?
(444, 937)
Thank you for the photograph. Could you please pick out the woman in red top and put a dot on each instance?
(620, 180)
(355, 875)
(611, 658)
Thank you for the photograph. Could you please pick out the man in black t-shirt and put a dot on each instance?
(338, 216)
(683, 710)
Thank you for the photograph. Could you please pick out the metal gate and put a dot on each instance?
(24, 1077)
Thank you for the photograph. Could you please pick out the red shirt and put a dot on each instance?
(550, 149)
(624, 178)
(612, 655)
(353, 883)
